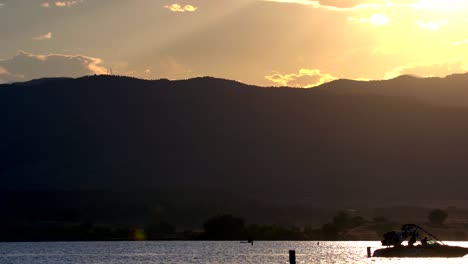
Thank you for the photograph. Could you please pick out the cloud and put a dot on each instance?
(3, 71)
(440, 6)
(362, 4)
(26, 66)
(44, 37)
(190, 8)
(430, 70)
(1, 5)
(460, 42)
(431, 25)
(180, 8)
(354, 5)
(67, 3)
(305, 78)
(376, 20)
(339, 5)
(61, 3)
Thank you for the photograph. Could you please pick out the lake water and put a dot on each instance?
(199, 252)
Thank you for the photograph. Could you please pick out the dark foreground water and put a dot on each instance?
(199, 252)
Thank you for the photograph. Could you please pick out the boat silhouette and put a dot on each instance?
(428, 248)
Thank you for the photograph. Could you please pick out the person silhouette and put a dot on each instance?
(424, 241)
(412, 240)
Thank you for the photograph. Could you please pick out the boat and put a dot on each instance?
(422, 251)
(428, 248)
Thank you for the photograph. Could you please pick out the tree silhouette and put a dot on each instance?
(437, 216)
(342, 222)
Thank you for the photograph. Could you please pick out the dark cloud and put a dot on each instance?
(26, 66)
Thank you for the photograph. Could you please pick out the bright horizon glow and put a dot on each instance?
(300, 43)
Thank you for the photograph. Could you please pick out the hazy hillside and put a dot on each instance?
(448, 91)
(218, 141)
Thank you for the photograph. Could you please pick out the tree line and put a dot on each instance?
(219, 227)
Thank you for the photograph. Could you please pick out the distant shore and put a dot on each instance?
(343, 227)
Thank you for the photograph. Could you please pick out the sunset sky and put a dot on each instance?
(264, 42)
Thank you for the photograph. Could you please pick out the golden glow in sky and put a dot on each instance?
(299, 43)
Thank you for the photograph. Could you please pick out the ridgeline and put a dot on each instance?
(124, 150)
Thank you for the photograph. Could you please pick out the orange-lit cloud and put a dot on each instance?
(180, 8)
(305, 78)
(6, 76)
(3, 72)
(67, 3)
(190, 8)
(46, 5)
(26, 66)
(44, 37)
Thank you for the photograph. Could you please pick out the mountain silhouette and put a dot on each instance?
(448, 91)
(206, 139)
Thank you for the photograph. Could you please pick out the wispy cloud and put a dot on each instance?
(355, 5)
(6, 76)
(61, 3)
(44, 37)
(338, 5)
(460, 42)
(305, 78)
(1, 5)
(180, 8)
(431, 25)
(376, 20)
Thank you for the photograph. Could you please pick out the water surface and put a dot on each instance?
(200, 252)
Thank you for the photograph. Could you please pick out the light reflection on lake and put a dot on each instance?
(200, 252)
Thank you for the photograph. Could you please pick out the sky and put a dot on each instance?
(299, 43)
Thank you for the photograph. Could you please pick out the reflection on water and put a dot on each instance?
(199, 252)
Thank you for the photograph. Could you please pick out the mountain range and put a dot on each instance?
(218, 141)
